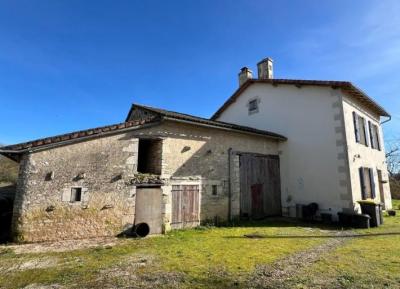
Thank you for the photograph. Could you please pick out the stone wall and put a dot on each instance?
(196, 155)
(100, 167)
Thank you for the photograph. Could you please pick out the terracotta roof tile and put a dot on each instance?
(350, 88)
(75, 135)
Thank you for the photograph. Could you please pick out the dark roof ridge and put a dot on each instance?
(205, 121)
(97, 131)
(345, 85)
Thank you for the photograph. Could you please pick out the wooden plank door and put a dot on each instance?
(259, 186)
(185, 206)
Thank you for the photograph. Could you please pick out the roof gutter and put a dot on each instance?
(9, 151)
(223, 128)
(385, 121)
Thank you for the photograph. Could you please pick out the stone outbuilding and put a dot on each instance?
(171, 170)
(166, 169)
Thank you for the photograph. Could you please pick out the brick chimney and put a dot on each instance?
(245, 74)
(265, 69)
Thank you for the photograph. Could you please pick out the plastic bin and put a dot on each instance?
(345, 219)
(361, 221)
(374, 211)
(326, 218)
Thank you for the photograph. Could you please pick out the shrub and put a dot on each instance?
(8, 170)
(395, 186)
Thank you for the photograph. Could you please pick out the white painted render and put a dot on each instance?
(314, 160)
(360, 155)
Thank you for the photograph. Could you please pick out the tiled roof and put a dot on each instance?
(204, 121)
(344, 85)
(151, 119)
(98, 131)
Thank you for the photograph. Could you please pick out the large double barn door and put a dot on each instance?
(185, 206)
(260, 192)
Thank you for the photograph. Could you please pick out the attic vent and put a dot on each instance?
(252, 105)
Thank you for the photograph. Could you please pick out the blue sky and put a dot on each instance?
(70, 65)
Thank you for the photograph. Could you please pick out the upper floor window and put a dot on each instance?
(374, 136)
(253, 105)
(360, 129)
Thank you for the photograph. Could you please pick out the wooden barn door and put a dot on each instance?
(259, 186)
(185, 206)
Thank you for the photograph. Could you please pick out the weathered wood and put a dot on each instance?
(259, 186)
(185, 206)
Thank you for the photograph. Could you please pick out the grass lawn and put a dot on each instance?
(366, 262)
(212, 258)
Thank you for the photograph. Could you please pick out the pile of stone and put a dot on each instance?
(140, 178)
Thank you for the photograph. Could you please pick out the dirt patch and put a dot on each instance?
(40, 286)
(31, 264)
(276, 275)
(128, 277)
(63, 246)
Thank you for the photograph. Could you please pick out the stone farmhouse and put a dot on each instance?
(274, 144)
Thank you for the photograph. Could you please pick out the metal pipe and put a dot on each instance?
(229, 185)
(385, 121)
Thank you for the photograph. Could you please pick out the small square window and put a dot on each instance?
(253, 106)
(214, 190)
(76, 195)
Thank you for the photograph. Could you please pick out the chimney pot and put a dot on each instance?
(266, 68)
(244, 75)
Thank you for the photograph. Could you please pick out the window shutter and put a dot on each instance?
(378, 143)
(365, 133)
(371, 134)
(371, 177)
(361, 171)
(356, 127)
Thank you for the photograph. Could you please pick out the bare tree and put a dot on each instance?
(393, 157)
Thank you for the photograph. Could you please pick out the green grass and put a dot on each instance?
(200, 256)
(367, 262)
(215, 258)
